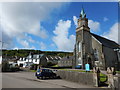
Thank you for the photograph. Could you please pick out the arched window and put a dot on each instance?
(79, 47)
(96, 54)
(79, 61)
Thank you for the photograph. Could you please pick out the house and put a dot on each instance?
(12, 63)
(94, 49)
(53, 59)
(32, 59)
(66, 61)
(39, 59)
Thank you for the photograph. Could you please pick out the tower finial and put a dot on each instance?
(82, 14)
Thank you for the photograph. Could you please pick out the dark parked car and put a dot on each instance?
(45, 73)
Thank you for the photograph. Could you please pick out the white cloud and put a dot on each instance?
(52, 45)
(61, 38)
(105, 19)
(42, 46)
(30, 39)
(113, 33)
(24, 43)
(75, 19)
(15, 48)
(16, 19)
(94, 25)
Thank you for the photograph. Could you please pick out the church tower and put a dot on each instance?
(83, 46)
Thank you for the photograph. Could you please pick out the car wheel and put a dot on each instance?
(38, 77)
(43, 78)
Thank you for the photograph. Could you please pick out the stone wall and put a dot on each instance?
(98, 46)
(116, 82)
(110, 58)
(79, 77)
(93, 79)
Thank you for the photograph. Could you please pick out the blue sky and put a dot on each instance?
(51, 26)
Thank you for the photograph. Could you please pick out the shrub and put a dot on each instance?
(14, 69)
(49, 64)
(5, 66)
(33, 67)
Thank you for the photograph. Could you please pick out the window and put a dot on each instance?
(30, 56)
(37, 56)
(35, 60)
(79, 61)
(96, 54)
(79, 47)
(119, 55)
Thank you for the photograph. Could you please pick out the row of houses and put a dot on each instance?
(40, 59)
(66, 61)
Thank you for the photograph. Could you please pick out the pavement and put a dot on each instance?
(28, 80)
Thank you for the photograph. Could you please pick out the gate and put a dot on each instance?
(103, 79)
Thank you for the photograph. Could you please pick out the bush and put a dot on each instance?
(33, 67)
(49, 64)
(5, 66)
(14, 69)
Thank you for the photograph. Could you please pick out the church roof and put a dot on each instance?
(106, 42)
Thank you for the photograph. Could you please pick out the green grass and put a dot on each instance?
(103, 77)
(75, 70)
(54, 66)
(33, 70)
(118, 72)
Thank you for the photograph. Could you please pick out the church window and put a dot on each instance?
(119, 55)
(96, 54)
(79, 61)
(79, 47)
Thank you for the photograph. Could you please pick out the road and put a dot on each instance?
(28, 80)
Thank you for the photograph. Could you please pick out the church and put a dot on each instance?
(94, 49)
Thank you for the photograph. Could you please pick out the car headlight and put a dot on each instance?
(38, 72)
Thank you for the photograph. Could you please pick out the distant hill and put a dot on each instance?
(25, 52)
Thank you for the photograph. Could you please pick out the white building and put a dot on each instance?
(0, 59)
(29, 60)
(37, 59)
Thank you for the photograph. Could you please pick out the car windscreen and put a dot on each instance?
(46, 70)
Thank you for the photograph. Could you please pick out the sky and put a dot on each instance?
(51, 26)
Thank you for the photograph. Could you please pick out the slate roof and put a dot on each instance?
(35, 56)
(67, 58)
(106, 42)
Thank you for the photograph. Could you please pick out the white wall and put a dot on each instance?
(0, 59)
(30, 61)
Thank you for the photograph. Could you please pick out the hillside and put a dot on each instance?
(25, 52)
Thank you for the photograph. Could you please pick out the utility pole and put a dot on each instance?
(2, 44)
